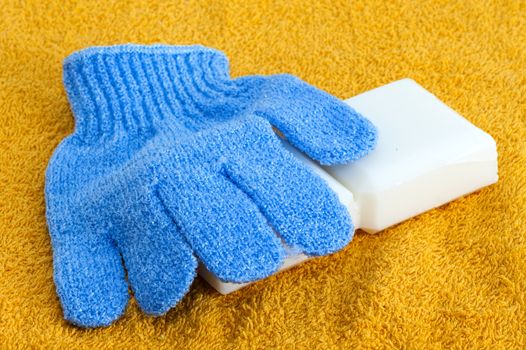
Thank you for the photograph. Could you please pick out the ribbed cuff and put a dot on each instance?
(132, 87)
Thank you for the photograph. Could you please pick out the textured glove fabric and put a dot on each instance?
(171, 161)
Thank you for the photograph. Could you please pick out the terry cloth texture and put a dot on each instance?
(454, 277)
(170, 158)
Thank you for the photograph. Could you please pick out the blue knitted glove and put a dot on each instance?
(170, 160)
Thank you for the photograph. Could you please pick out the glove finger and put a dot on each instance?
(89, 276)
(297, 203)
(160, 264)
(224, 227)
(317, 123)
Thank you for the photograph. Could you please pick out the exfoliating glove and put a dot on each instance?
(170, 160)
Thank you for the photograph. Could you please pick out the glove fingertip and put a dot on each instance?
(90, 280)
(93, 306)
(332, 235)
(350, 144)
(164, 294)
(271, 257)
(94, 316)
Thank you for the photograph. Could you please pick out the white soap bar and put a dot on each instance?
(427, 155)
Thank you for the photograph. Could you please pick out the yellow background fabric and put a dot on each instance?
(453, 277)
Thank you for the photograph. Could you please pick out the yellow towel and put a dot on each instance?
(453, 277)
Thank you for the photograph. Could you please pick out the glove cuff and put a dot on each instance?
(131, 87)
